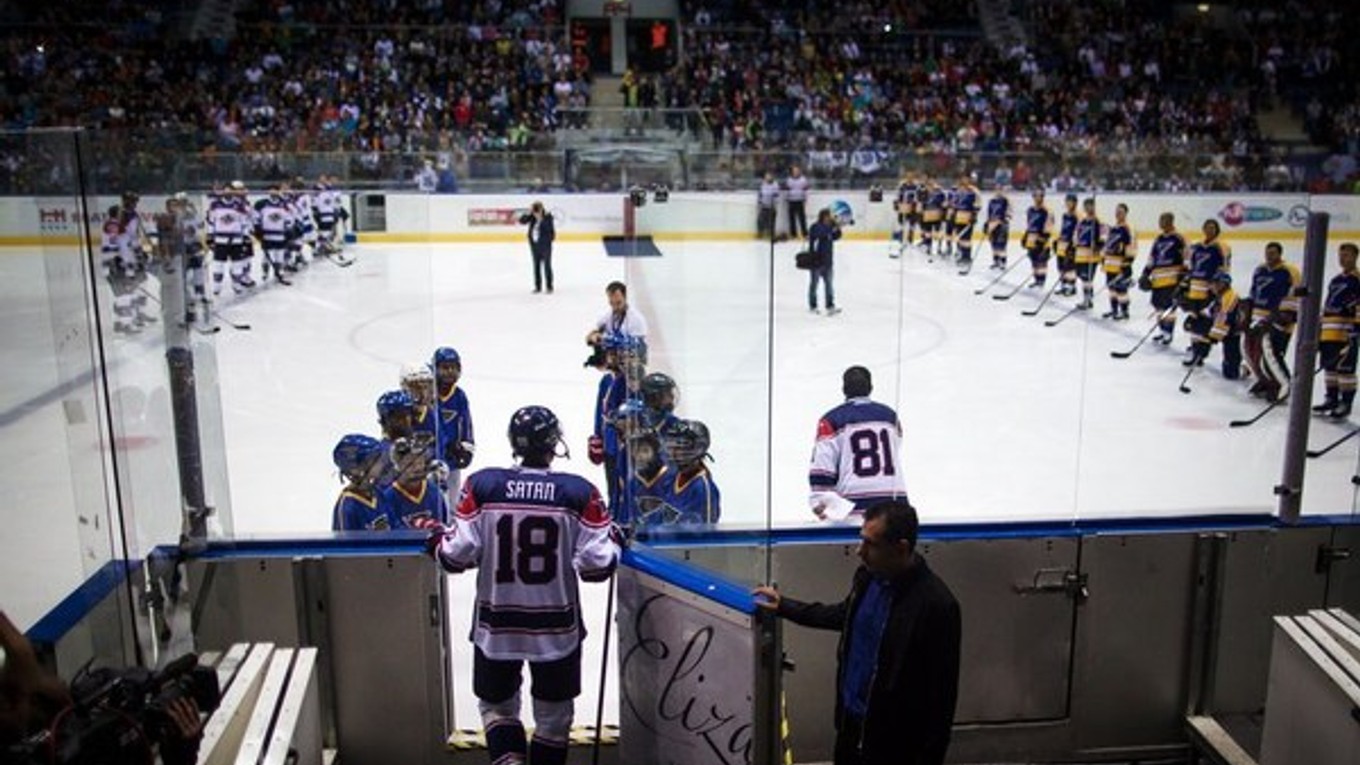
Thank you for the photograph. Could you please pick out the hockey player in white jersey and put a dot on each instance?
(529, 532)
(302, 201)
(273, 227)
(857, 458)
(229, 222)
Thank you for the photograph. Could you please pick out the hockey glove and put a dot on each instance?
(462, 453)
(439, 471)
(595, 450)
(1145, 282)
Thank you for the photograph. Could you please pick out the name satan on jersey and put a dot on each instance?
(858, 453)
(530, 532)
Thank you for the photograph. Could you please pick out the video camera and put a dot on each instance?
(117, 715)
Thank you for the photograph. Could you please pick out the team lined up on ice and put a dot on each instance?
(292, 224)
(1190, 278)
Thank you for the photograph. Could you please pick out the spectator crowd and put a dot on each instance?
(1133, 94)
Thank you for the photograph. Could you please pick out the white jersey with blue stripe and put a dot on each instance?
(858, 454)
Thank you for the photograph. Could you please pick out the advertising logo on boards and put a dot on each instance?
(1236, 213)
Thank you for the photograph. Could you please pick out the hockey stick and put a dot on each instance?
(604, 671)
(1155, 326)
(217, 315)
(1072, 310)
(1319, 452)
(1043, 302)
(1184, 387)
(997, 279)
(1267, 410)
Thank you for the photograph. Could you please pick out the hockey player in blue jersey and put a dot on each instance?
(456, 443)
(965, 219)
(647, 498)
(659, 397)
(998, 228)
(603, 446)
(692, 491)
(418, 382)
(396, 413)
(531, 533)
(415, 500)
(360, 460)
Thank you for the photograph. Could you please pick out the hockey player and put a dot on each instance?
(360, 460)
(303, 201)
(1066, 251)
(327, 210)
(122, 279)
(229, 224)
(950, 228)
(908, 213)
(1087, 241)
(1120, 252)
(932, 214)
(396, 412)
(965, 218)
(858, 452)
(1273, 307)
(1337, 339)
(415, 499)
(134, 253)
(998, 228)
(1219, 323)
(1163, 274)
(529, 532)
(1038, 233)
(693, 494)
(456, 442)
(418, 382)
(274, 225)
(648, 500)
(603, 446)
(659, 399)
(1207, 259)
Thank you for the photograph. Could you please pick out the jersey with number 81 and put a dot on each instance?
(530, 532)
(858, 453)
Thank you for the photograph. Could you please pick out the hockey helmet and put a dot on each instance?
(447, 355)
(418, 380)
(394, 402)
(534, 431)
(658, 392)
(355, 453)
(687, 442)
(842, 212)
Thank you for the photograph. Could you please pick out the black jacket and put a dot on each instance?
(916, 681)
(546, 233)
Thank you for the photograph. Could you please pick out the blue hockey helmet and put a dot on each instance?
(393, 402)
(842, 212)
(355, 453)
(445, 355)
(534, 431)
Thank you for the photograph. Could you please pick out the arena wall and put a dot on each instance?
(419, 218)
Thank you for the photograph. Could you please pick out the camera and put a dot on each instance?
(116, 716)
(875, 193)
(661, 193)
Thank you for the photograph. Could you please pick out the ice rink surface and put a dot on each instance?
(1004, 418)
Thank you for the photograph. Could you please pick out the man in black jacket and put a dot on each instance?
(897, 673)
(541, 235)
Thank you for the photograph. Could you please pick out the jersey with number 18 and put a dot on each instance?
(858, 453)
(530, 532)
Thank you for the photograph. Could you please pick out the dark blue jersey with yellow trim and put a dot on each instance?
(1341, 308)
(359, 512)
(696, 497)
(1166, 260)
(408, 505)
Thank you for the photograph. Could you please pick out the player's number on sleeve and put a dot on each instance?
(872, 453)
(526, 551)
